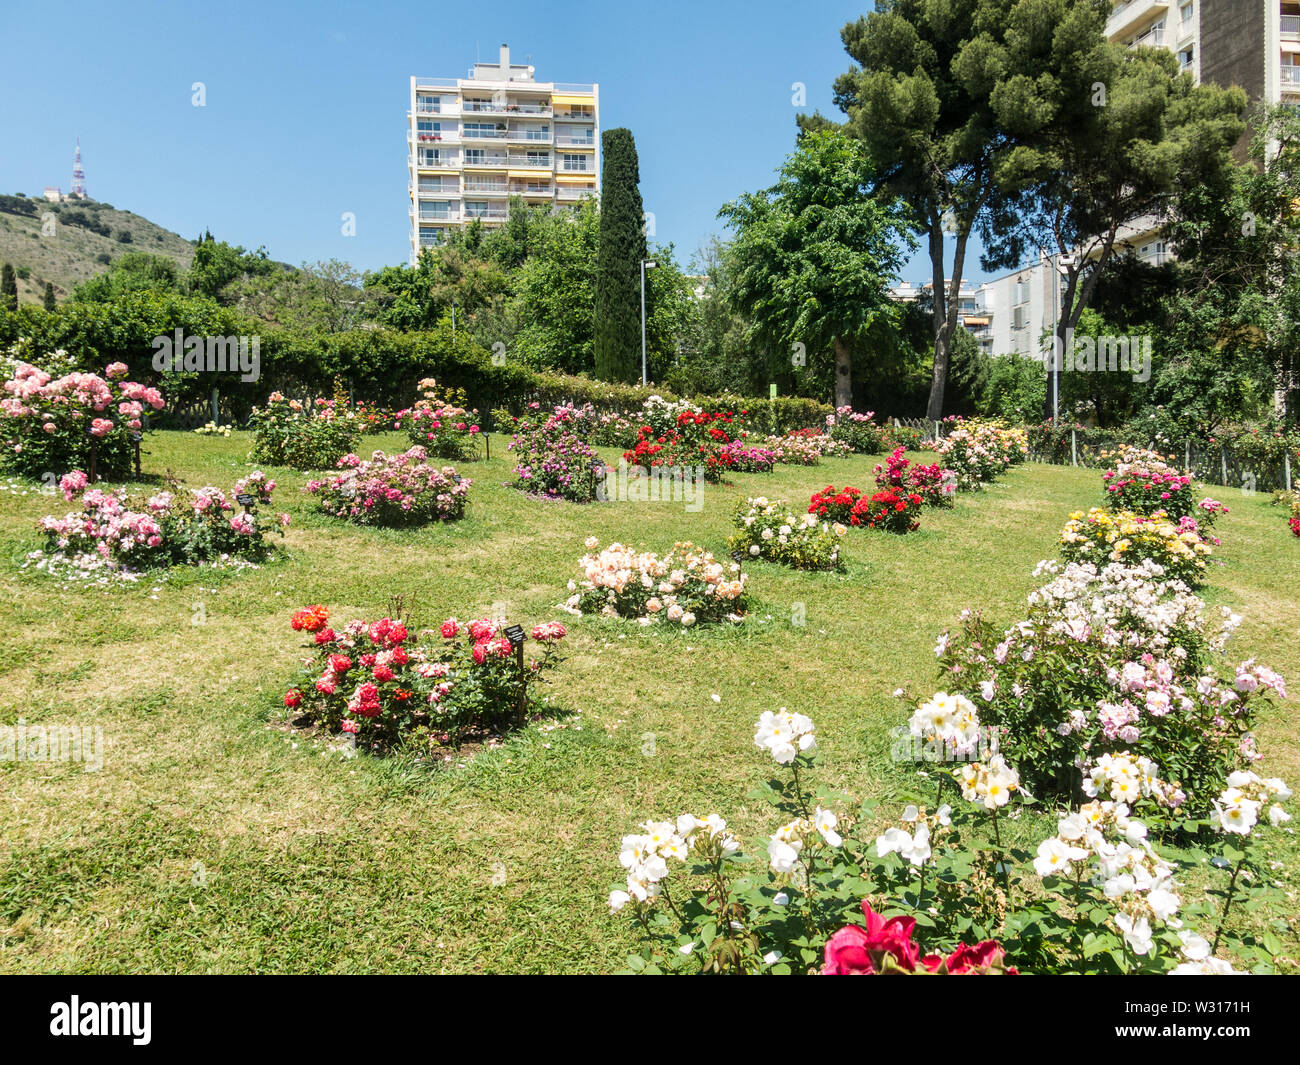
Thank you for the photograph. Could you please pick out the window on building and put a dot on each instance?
(575, 162)
(1185, 14)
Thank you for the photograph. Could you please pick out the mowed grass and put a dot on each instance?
(213, 840)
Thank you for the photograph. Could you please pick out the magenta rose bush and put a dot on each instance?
(396, 690)
(120, 534)
(51, 425)
(392, 490)
(552, 459)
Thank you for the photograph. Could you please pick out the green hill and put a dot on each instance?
(68, 243)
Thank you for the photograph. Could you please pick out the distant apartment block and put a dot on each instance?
(474, 142)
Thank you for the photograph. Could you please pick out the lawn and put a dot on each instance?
(216, 840)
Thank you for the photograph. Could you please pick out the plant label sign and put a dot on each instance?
(245, 500)
(515, 634)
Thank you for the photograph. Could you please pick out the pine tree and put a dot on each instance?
(617, 325)
(49, 295)
(8, 288)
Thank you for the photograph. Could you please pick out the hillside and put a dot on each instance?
(86, 236)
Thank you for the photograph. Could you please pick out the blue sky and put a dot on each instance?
(306, 104)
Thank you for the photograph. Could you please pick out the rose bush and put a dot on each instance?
(122, 535)
(76, 421)
(392, 490)
(302, 436)
(685, 587)
(551, 459)
(391, 690)
(440, 425)
(769, 529)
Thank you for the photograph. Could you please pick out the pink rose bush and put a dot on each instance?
(685, 587)
(50, 425)
(392, 490)
(124, 534)
(885, 946)
(303, 436)
(936, 486)
(436, 423)
(978, 452)
(393, 689)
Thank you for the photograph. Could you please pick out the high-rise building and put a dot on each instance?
(1251, 43)
(474, 142)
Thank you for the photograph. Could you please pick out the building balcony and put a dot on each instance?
(436, 192)
(486, 188)
(491, 214)
(529, 136)
(571, 169)
(1154, 38)
(452, 214)
(433, 138)
(532, 189)
(449, 163)
(1291, 78)
(1291, 26)
(569, 194)
(490, 161)
(1133, 17)
(569, 114)
(568, 140)
(523, 162)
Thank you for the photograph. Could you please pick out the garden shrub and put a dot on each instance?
(392, 490)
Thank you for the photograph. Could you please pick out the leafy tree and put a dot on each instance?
(1108, 165)
(217, 265)
(1234, 323)
(8, 288)
(136, 271)
(323, 297)
(622, 247)
(815, 257)
(556, 292)
(943, 95)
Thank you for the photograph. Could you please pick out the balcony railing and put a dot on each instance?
(573, 194)
(486, 160)
(532, 189)
(486, 187)
(483, 134)
(494, 215)
(427, 137)
(450, 216)
(529, 136)
(1151, 39)
(1291, 77)
(1291, 25)
(568, 140)
(447, 162)
(527, 163)
(581, 116)
(570, 168)
(439, 190)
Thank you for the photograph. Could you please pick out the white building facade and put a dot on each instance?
(474, 142)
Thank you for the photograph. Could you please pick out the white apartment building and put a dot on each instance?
(474, 142)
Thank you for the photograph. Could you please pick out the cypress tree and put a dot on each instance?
(617, 325)
(49, 295)
(8, 288)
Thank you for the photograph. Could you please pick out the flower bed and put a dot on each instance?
(685, 587)
(1096, 896)
(978, 452)
(372, 680)
(936, 486)
(392, 490)
(122, 535)
(439, 425)
(858, 432)
(804, 447)
(551, 459)
(302, 436)
(769, 529)
(1142, 482)
(1117, 658)
(77, 421)
(1180, 548)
